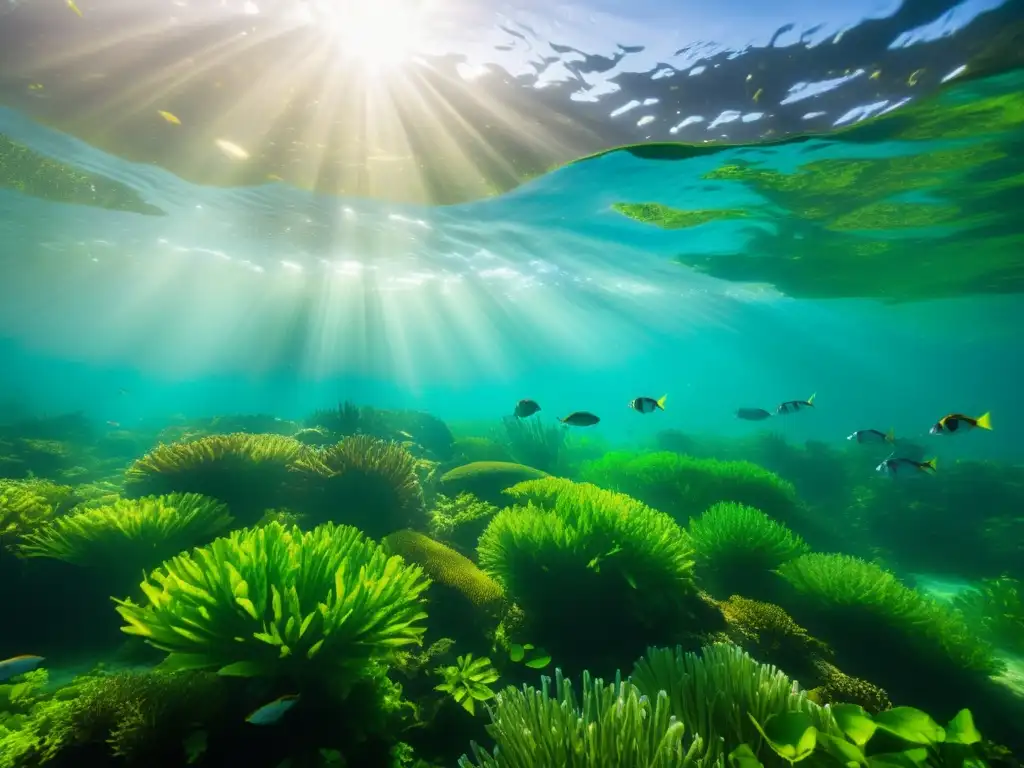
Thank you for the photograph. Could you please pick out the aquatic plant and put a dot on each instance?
(718, 692)
(837, 687)
(473, 448)
(444, 566)
(534, 444)
(349, 419)
(129, 535)
(684, 486)
(586, 554)
(607, 726)
(278, 602)
(771, 634)
(468, 681)
(26, 504)
(365, 482)
(487, 479)
(247, 472)
(736, 546)
(461, 520)
(856, 599)
(996, 608)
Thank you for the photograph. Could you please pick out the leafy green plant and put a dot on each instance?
(914, 739)
(131, 534)
(468, 681)
(274, 601)
(996, 607)
(460, 520)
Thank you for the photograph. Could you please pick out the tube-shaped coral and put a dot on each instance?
(274, 601)
(608, 726)
(130, 534)
(365, 482)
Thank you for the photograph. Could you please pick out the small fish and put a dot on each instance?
(406, 435)
(955, 422)
(113, 424)
(753, 414)
(792, 406)
(875, 75)
(873, 436)
(580, 419)
(270, 713)
(892, 466)
(757, 94)
(35, 87)
(915, 76)
(18, 665)
(74, 7)
(526, 408)
(169, 117)
(648, 404)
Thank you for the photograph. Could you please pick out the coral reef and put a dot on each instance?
(363, 481)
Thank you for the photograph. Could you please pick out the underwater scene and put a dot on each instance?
(508, 384)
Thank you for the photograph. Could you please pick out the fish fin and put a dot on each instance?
(661, 401)
(984, 421)
(931, 464)
(810, 400)
(890, 436)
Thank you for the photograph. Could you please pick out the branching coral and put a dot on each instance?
(130, 535)
(996, 608)
(460, 520)
(366, 482)
(736, 546)
(716, 693)
(852, 592)
(247, 472)
(583, 555)
(684, 486)
(468, 681)
(608, 726)
(275, 601)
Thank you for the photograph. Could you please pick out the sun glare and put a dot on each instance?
(378, 33)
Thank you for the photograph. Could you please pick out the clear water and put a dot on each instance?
(207, 211)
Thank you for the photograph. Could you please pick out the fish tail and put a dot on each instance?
(890, 436)
(930, 465)
(984, 421)
(810, 400)
(661, 401)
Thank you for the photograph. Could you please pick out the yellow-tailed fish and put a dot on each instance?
(792, 406)
(892, 466)
(648, 404)
(270, 713)
(872, 436)
(18, 665)
(955, 423)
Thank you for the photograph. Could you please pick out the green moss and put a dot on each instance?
(460, 520)
(666, 217)
(737, 546)
(684, 486)
(277, 602)
(487, 479)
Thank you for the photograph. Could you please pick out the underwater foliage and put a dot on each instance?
(246, 471)
(535, 444)
(666, 217)
(684, 486)
(366, 482)
(460, 520)
(131, 534)
(996, 608)
(837, 687)
(443, 565)
(585, 555)
(771, 634)
(851, 590)
(736, 546)
(717, 693)
(473, 448)
(468, 681)
(487, 479)
(278, 602)
(606, 726)
(25, 504)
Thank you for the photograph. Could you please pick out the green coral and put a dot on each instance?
(684, 486)
(996, 608)
(366, 482)
(274, 601)
(468, 681)
(736, 546)
(852, 590)
(487, 479)
(607, 726)
(717, 692)
(460, 520)
(582, 555)
(131, 534)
